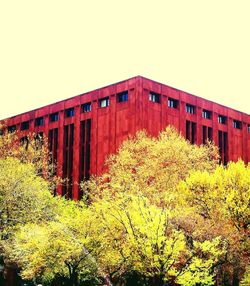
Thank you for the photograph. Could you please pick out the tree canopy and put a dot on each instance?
(165, 213)
(152, 166)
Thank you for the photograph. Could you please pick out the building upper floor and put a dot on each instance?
(121, 109)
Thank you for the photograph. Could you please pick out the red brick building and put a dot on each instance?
(85, 129)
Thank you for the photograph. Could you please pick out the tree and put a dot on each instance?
(32, 149)
(62, 247)
(29, 209)
(52, 250)
(222, 199)
(135, 235)
(246, 279)
(138, 209)
(24, 197)
(152, 166)
(164, 210)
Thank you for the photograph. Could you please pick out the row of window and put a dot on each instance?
(207, 114)
(70, 112)
(122, 97)
(104, 102)
(86, 107)
(55, 116)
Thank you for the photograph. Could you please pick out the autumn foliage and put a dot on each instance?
(166, 213)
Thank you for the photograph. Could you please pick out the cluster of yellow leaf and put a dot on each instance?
(165, 210)
(152, 166)
(222, 199)
(24, 196)
(45, 235)
(31, 149)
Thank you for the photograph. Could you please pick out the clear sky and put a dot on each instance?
(54, 49)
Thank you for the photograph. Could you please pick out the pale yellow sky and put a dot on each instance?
(54, 49)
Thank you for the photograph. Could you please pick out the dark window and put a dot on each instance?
(190, 108)
(53, 148)
(25, 125)
(210, 134)
(248, 128)
(154, 97)
(54, 117)
(187, 130)
(172, 103)
(69, 112)
(206, 114)
(222, 119)
(191, 131)
(85, 150)
(237, 124)
(68, 159)
(223, 146)
(86, 107)
(204, 134)
(12, 128)
(207, 134)
(122, 96)
(39, 121)
(104, 102)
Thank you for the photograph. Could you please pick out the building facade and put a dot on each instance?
(83, 130)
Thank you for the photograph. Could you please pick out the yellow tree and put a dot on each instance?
(246, 279)
(153, 166)
(222, 199)
(138, 219)
(135, 235)
(136, 201)
(61, 247)
(32, 149)
(45, 236)
(24, 197)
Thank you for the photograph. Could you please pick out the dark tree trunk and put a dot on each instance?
(236, 281)
(226, 279)
(157, 281)
(73, 278)
(73, 275)
(10, 275)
